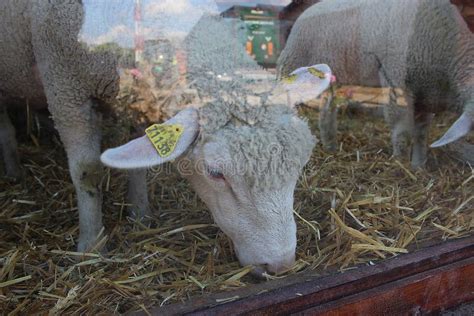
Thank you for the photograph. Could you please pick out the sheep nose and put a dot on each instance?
(273, 268)
(258, 271)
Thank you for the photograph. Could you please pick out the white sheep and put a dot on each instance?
(422, 46)
(42, 62)
(243, 160)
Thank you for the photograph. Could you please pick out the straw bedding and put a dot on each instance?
(356, 206)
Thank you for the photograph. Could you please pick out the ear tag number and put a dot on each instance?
(300, 76)
(317, 73)
(290, 79)
(164, 137)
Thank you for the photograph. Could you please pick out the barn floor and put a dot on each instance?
(382, 209)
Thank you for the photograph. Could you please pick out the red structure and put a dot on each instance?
(466, 8)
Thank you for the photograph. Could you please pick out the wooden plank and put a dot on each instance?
(373, 95)
(305, 290)
(428, 292)
(466, 8)
(463, 2)
(369, 96)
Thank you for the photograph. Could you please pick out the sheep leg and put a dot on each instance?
(79, 128)
(401, 139)
(328, 124)
(9, 145)
(420, 139)
(137, 194)
(401, 125)
(462, 151)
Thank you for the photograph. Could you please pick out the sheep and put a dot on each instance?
(242, 159)
(43, 63)
(422, 46)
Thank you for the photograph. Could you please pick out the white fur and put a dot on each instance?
(253, 206)
(258, 149)
(260, 223)
(421, 46)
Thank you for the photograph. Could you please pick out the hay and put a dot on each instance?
(353, 207)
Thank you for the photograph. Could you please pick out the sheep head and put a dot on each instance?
(244, 163)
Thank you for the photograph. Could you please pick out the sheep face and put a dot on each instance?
(244, 162)
(245, 174)
(260, 223)
(247, 180)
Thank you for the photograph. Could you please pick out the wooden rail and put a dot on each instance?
(423, 293)
(425, 281)
(466, 8)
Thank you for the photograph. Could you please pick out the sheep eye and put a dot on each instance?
(214, 174)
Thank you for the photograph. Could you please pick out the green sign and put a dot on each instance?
(261, 34)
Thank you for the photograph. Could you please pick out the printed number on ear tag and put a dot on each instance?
(317, 73)
(290, 79)
(164, 137)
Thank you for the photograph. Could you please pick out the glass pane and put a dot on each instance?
(293, 136)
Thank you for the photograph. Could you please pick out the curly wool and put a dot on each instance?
(214, 51)
(39, 48)
(268, 151)
(267, 142)
(421, 45)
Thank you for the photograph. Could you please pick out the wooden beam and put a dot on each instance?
(463, 2)
(306, 291)
(424, 293)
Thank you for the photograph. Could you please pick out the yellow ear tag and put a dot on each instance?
(317, 73)
(290, 79)
(164, 137)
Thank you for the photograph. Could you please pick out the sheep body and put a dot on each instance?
(422, 46)
(42, 62)
(33, 32)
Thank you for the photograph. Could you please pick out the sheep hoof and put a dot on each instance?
(15, 174)
(418, 163)
(90, 245)
(331, 147)
(141, 214)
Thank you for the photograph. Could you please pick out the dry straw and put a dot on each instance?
(352, 207)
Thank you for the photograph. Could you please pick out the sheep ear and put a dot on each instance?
(307, 83)
(459, 129)
(141, 153)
